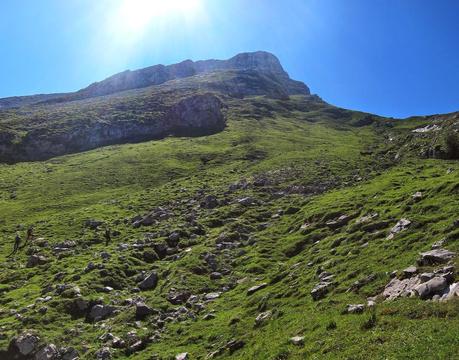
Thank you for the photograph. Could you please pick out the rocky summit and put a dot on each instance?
(218, 210)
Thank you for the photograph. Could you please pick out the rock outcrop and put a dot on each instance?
(195, 115)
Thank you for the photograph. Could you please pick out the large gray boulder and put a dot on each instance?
(100, 312)
(435, 286)
(436, 256)
(49, 352)
(27, 343)
(150, 282)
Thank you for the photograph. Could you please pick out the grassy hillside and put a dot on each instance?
(280, 172)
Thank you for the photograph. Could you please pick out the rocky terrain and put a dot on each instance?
(232, 216)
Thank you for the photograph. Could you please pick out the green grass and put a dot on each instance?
(287, 142)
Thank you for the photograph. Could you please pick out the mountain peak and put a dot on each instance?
(261, 61)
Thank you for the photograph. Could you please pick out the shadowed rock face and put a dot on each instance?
(192, 116)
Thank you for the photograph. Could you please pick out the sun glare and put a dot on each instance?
(134, 16)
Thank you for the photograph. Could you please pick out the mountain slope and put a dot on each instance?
(155, 107)
(239, 227)
(260, 61)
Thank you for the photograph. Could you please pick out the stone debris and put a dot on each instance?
(438, 285)
(428, 128)
(401, 225)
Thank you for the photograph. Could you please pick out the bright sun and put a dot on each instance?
(134, 16)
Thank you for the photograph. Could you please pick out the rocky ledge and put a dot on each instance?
(194, 115)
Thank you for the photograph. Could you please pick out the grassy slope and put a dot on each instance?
(122, 181)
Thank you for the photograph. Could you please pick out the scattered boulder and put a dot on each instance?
(417, 196)
(367, 218)
(209, 202)
(104, 353)
(338, 222)
(212, 296)
(235, 345)
(216, 275)
(453, 291)
(178, 297)
(435, 286)
(182, 356)
(93, 224)
(320, 290)
(136, 347)
(263, 317)
(247, 201)
(69, 354)
(354, 309)
(35, 260)
(99, 312)
(401, 225)
(400, 288)
(409, 271)
(142, 310)
(436, 256)
(49, 352)
(27, 343)
(150, 282)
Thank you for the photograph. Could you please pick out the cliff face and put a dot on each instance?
(192, 116)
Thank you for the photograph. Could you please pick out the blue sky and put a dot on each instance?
(390, 57)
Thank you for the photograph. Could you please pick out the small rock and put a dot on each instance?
(69, 354)
(182, 356)
(355, 309)
(234, 345)
(211, 296)
(36, 260)
(255, 288)
(297, 340)
(104, 353)
(215, 275)
(320, 290)
(247, 201)
(263, 317)
(401, 225)
(209, 316)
